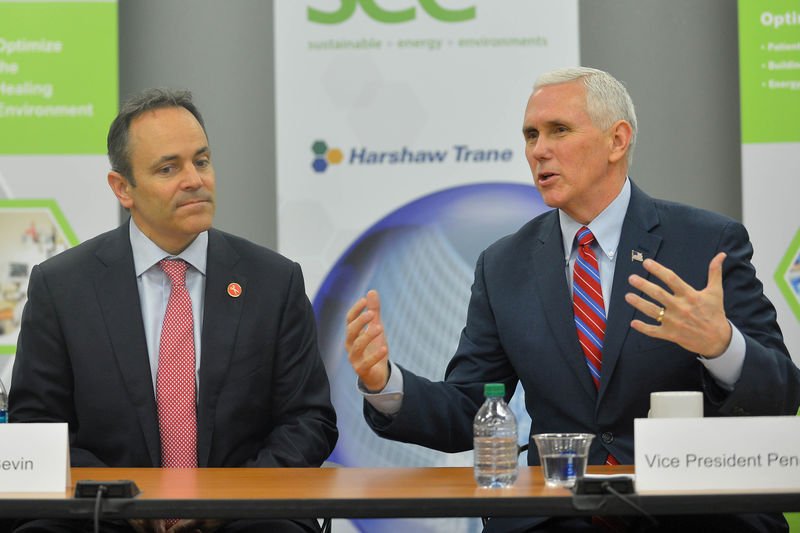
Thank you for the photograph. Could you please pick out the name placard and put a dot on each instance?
(34, 458)
(733, 453)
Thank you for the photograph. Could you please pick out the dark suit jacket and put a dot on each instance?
(82, 359)
(520, 328)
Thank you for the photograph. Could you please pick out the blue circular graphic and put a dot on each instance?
(421, 259)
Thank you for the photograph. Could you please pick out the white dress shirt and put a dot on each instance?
(155, 287)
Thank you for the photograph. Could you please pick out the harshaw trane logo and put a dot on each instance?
(323, 156)
(458, 153)
(379, 14)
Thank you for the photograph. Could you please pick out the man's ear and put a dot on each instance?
(621, 134)
(121, 187)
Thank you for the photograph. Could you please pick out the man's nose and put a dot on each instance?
(541, 150)
(192, 178)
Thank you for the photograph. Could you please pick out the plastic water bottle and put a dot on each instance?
(3, 404)
(495, 440)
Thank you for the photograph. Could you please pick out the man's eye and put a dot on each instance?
(202, 163)
(165, 170)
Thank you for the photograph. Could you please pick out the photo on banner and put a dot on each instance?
(58, 94)
(400, 158)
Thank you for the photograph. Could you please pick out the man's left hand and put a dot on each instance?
(693, 319)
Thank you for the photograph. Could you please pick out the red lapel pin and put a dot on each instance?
(234, 290)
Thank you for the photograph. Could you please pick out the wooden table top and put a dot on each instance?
(362, 493)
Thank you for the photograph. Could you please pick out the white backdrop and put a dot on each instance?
(400, 157)
(424, 86)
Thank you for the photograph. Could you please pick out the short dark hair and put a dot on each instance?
(147, 100)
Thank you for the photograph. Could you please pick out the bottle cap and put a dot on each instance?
(492, 390)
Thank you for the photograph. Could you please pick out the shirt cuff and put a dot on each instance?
(727, 368)
(389, 400)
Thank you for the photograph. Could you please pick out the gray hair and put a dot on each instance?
(147, 100)
(607, 99)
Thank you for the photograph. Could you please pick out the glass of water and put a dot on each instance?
(563, 456)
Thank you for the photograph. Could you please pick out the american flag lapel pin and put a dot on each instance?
(636, 255)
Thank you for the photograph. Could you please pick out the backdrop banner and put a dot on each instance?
(769, 69)
(58, 95)
(769, 55)
(400, 157)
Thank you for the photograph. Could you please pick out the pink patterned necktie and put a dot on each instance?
(589, 309)
(177, 417)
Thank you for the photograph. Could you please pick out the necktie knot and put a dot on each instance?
(584, 236)
(175, 269)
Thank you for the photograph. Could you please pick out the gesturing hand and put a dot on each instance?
(693, 319)
(367, 349)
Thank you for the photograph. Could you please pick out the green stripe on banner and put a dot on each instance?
(769, 58)
(58, 89)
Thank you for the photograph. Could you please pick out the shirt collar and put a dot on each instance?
(606, 227)
(146, 253)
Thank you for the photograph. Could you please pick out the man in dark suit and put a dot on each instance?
(91, 348)
(680, 304)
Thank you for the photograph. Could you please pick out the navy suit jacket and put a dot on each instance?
(520, 329)
(82, 359)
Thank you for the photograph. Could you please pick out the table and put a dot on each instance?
(364, 493)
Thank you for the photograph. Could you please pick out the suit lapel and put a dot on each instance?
(221, 319)
(636, 236)
(118, 297)
(549, 271)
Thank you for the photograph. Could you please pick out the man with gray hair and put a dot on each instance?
(166, 342)
(592, 306)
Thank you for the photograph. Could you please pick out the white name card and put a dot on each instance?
(34, 458)
(731, 453)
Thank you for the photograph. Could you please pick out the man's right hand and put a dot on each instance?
(366, 344)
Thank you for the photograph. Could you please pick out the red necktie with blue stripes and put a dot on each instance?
(587, 303)
(589, 309)
(590, 321)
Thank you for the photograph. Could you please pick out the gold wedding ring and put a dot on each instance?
(660, 316)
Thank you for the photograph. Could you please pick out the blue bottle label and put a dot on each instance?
(3, 416)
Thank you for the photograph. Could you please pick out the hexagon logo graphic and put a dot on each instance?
(30, 232)
(325, 156)
(787, 276)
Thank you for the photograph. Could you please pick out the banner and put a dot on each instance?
(401, 157)
(769, 54)
(769, 68)
(58, 95)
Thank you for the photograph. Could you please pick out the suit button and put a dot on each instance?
(607, 437)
